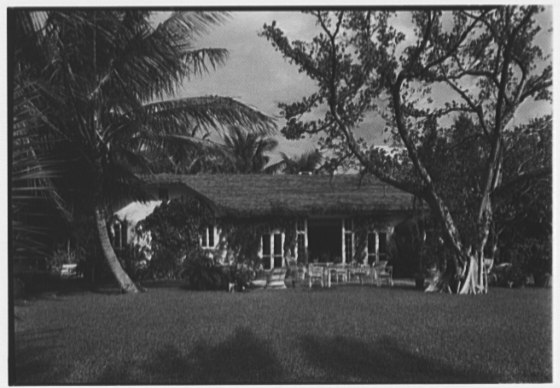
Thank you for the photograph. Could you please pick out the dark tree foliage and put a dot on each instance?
(246, 152)
(91, 103)
(175, 227)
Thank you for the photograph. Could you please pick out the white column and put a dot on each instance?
(343, 242)
(305, 242)
(283, 239)
(376, 246)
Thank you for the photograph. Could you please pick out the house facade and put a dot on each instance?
(335, 219)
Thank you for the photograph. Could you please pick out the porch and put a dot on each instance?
(326, 275)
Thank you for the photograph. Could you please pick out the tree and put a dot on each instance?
(199, 156)
(523, 215)
(484, 63)
(307, 162)
(248, 151)
(103, 78)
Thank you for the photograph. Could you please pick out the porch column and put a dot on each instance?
(343, 241)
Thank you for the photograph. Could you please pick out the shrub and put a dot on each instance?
(202, 273)
(527, 257)
(135, 266)
(241, 275)
(62, 256)
(174, 227)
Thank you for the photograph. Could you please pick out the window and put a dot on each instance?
(377, 247)
(208, 237)
(118, 234)
(301, 234)
(348, 240)
(300, 247)
(278, 257)
(382, 252)
(348, 246)
(272, 250)
(371, 247)
(266, 251)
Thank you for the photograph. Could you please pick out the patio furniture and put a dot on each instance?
(69, 270)
(340, 273)
(275, 278)
(382, 271)
(260, 278)
(315, 273)
(359, 272)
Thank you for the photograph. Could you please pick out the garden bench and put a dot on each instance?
(68, 270)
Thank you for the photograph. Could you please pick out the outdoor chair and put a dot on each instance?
(382, 271)
(340, 273)
(315, 274)
(275, 279)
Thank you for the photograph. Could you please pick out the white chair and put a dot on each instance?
(315, 274)
(340, 272)
(382, 271)
(275, 278)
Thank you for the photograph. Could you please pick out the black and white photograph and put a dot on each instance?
(279, 194)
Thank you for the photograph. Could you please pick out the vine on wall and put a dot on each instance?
(243, 236)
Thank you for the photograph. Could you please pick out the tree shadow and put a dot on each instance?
(346, 360)
(242, 358)
(31, 362)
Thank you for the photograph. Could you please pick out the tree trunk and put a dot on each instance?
(125, 283)
(475, 276)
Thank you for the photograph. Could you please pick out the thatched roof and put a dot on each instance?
(262, 195)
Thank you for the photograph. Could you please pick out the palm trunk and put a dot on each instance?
(125, 283)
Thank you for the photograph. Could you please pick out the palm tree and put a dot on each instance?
(307, 162)
(103, 79)
(248, 151)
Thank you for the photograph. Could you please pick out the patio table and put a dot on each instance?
(359, 272)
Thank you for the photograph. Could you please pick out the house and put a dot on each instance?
(342, 218)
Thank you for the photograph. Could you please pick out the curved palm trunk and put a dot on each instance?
(126, 284)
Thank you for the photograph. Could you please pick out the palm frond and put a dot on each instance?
(249, 150)
(190, 24)
(309, 162)
(150, 63)
(197, 61)
(211, 113)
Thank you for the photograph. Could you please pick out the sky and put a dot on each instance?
(259, 76)
(255, 73)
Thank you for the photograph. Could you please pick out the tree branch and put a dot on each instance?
(507, 188)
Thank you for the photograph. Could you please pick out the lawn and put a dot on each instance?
(348, 334)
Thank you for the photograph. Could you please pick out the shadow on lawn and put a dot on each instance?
(383, 362)
(30, 364)
(242, 358)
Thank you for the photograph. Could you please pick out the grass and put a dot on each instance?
(349, 334)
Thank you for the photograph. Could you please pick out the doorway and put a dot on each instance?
(325, 240)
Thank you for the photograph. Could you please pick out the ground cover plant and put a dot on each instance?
(339, 335)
